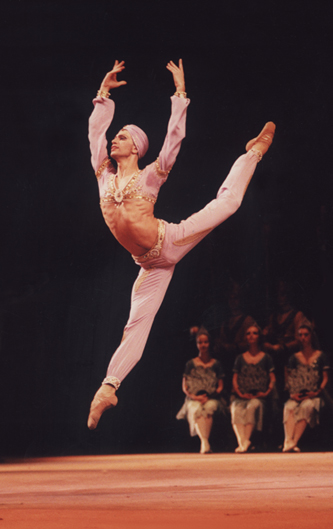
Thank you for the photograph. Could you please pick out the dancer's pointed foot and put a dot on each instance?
(262, 142)
(104, 399)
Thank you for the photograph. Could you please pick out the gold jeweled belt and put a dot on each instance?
(155, 251)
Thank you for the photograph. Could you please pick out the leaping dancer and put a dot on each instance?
(127, 198)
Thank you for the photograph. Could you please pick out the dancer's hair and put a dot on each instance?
(201, 331)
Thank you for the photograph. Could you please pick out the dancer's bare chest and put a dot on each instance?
(132, 223)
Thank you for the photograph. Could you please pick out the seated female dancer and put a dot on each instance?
(127, 198)
(307, 377)
(202, 385)
(253, 381)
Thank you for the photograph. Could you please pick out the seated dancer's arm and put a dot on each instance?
(102, 116)
(177, 122)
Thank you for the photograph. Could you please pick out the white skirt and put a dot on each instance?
(193, 409)
(248, 411)
(307, 409)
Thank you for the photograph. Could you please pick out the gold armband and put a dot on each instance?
(180, 94)
(103, 93)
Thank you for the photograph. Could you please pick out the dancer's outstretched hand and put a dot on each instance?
(110, 80)
(177, 74)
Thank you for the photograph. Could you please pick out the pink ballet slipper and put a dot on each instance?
(262, 142)
(104, 399)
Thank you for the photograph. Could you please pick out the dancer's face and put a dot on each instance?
(252, 335)
(122, 145)
(203, 343)
(304, 336)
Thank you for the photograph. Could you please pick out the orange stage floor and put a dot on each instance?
(187, 491)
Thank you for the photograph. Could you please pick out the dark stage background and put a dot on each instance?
(66, 282)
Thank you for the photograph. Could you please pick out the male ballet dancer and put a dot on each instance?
(127, 198)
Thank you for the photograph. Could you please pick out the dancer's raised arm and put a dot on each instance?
(102, 116)
(177, 122)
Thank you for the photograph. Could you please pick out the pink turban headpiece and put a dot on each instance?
(139, 138)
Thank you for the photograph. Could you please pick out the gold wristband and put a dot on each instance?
(103, 93)
(180, 94)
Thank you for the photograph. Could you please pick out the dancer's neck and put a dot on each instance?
(254, 350)
(127, 167)
(205, 358)
(308, 352)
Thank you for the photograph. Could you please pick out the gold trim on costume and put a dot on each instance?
(143, 197)
(159, 171)
(131, 190)
(114, 381)
(103, 93)
(180, 94)
(257, 152)
(155, 251)
(141, 279)
(191, 238)
(104, 164)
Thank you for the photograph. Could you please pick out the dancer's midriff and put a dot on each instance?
(132, 223)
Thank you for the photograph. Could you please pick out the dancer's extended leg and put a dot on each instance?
(147, 295)
(181, 238)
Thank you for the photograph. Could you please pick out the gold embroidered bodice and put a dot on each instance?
(133, 189)
(143, 184)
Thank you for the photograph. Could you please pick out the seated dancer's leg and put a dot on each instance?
(147, 295)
